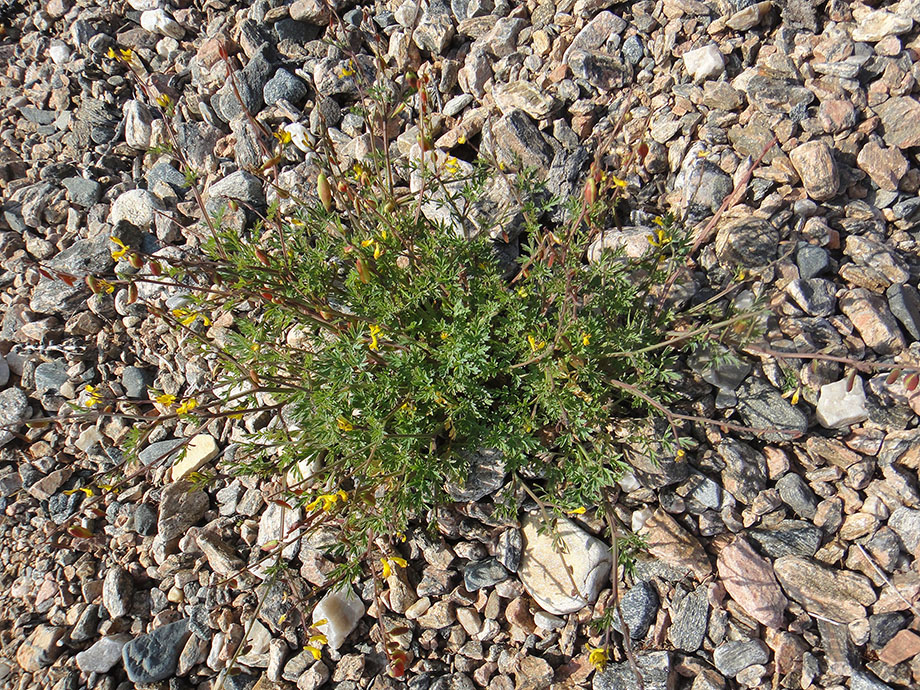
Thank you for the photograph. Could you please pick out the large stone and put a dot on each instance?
(873, 320)
(878, 24)
(884, 166)
(14, 409)
(838, 595)
(153, 657)
(40, 649)
(749, 579)
(519, 142)
(842, 403)
(746, 241)
(562, 582)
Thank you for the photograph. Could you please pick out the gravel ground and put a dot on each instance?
(770, 563)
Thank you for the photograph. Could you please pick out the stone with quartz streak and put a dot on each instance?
(341, 609)
(748, 577)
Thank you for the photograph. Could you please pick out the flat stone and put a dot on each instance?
(839, 407)
(655, 668)
(517, 139)
(746, 241)
(485, 474)
(878, 24)
(903, 646)
(691, 619)
(731, 658)
(544, 571)
(137, 207)
(671, 543)
(884, 166)
(103, 655)
(161, 450)
(14, 409)
(788, 538)
(40, 649)
(796, 494)
(816, 296)
(834, 594)
(904, 302)
(117, 592)
(873, 320)
(881, 264)
(221, 556)
(523, 95)
(749, 579)
(181, 506)
(763, 407)
(906, 523)
(200, 451)
(342, 609)
(486, 573)
(900, 119)
(153, 657)
(815, 164)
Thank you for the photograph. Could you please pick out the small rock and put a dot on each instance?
(639, 606)
(731, 658)
(136, 207)
(671, 543)
(103, 655)
(314, 12)
(816, 296)
(200, 451)
(342, 609)
(788, 538)
(903, 646)
(439, 615)
(835, 594)
(157, 21)
(872, 319)
(40, 649)
(508, 550)
(153, 657)
(812, 260)
(839, 407)
(484, 573)
(523, 95)
(815, 164)
(314, 677)
(485, 474)
(904, 302)
(181, 506)
(749, 580)
(876, 25)
(797, 495)
(704, 63)
(518, 139)
(655, 667)
(117, 592)
(886, 167)
(241, 186)
(900, 119)
(762, 406)
(221, 556)
(138, 125)
(135, 381)
(906, 523)
(544, 571)
(691, 618)
(746, 241)
(284, 85)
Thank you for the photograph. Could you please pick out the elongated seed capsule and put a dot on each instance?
(155, 268)
(262, 257)
(590, 191)
(93, 285)
(363, 273)
(132, 293)
(324, 191)
(136, 260)
(892, 377)
(912, 381)
(851, 380)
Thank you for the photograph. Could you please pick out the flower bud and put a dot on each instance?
(590, 191)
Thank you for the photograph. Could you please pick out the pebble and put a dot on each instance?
(672, 544)
(14, 409)
(788, 538)
(835, 594)
(639, 606)
(137, 207)
(201, 449)
(486, 573)
(153, 657)
(878, 24)
(815, 164)
(485, 474)
(705, 62)
(900, 120)
(749, 579)
(103, 655)
(873, 320)
(342, 610)
(117, 592)
(731, 658)
(655, 667)
(839, 407)
(159, 22)
(690, 621)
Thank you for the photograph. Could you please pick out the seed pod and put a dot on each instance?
(135, 259)
(389, 206)
(851, 380)
(254, 377)
(132, 293)
(263, 257)
(79, 532)
(93, 285)
(892, 377)
(912, 381)
(324, 191)
(590, 191)
(642, 151)
(363, 273)
(155, 268)
(44, 274)
(67, 278)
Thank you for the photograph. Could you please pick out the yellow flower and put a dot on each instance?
(461, 140)
(328, 501)
(166, 399)
(451, 165)
(321, 621)
(617, 181)
(105, 286)
(344, 424)
(111, 53)
(795, 397)
(318, 638)
(164, 101)
(283, 136)
(187, 317)
(659, 221)
(522, 292)
(680, 452)
(375, 331)
(187, 406)
(383, 235)
(659, 239)
(95, 397)
(598, 658)
(444, 335)
(534, 345)
(395, 560)
(585, 339)
(317, 654)
(367, 243)
(119, 253)
(580, 510)
(347, 71)
(377, 250)
(126, 54)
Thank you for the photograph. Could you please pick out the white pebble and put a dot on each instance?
(838, 407)
(704, 63)
(59, 52)
(341, 609)
(158, 22)
(300, 136)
